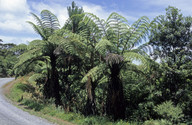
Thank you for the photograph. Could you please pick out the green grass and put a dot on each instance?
(29, 99)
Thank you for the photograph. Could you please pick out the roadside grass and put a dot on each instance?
(27, 96)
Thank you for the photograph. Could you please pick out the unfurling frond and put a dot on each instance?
(95, 73)
(112, 58)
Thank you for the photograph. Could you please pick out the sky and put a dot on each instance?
(15, 13)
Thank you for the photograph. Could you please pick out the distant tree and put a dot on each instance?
(172, 39)
(7, 59)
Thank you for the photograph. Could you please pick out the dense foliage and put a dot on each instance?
(101, 67)
(7, 59)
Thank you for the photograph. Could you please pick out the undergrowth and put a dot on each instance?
(30, 98)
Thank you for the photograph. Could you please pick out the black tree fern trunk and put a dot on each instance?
(90, 108)
(54, 81)
(115, 105)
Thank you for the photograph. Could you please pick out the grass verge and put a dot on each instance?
(27, 96)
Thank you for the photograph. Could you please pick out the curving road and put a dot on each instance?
(10, 115)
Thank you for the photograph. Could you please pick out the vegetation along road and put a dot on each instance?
(10, 115)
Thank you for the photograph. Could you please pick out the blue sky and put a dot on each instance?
(15, 13)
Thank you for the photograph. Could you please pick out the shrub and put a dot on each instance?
(168, 111)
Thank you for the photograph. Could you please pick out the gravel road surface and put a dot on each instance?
(11, 115)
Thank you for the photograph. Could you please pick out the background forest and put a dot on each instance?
(110, 68)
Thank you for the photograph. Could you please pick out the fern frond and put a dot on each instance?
(133, 56)
(139, 69)
(35, 44)
(27, 56)
(35, 77)
(103, 46)
(38, 20)
(95, 72)
(117, 27)
(91, 19)
(46, 25)
(39, 30)
(20, 47)
(146, 48)
(117, 22)
(117, 17)
(73, 44)
(139, 30)
(49, 20)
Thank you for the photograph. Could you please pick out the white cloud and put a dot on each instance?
(96, 10)
(14, 6)
(14, 14)
(17, 40)
(11, 25)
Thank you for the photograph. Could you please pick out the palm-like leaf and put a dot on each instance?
(46, 25)
(39, 30)
(69, 43)
(97, 24)
(49, 20)
(103, 46)
(36, 76)
(95, 72)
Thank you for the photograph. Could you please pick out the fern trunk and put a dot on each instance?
(55, 81)
(90, 108)
(115, 105)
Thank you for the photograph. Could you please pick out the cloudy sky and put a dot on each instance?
(15, 13)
